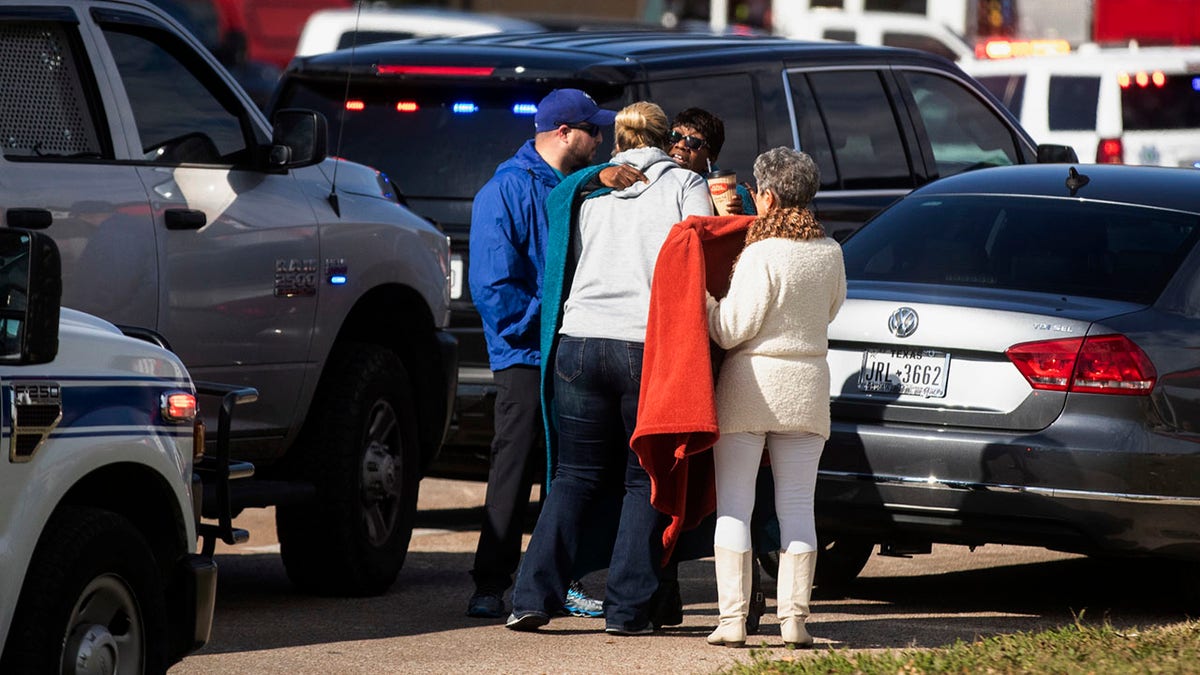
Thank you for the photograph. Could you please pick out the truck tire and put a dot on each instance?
(92, 601)
(362, 453)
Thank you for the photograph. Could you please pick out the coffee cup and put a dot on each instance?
(722, 186)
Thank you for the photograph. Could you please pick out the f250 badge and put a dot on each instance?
(296, 277)
(36, 411)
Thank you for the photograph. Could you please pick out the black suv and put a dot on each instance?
(438, 115)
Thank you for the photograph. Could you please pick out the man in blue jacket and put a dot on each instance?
(507, 254)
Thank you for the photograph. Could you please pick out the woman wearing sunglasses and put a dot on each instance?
(695, 143)
(592, 378)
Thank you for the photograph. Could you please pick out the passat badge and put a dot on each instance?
(903, 322)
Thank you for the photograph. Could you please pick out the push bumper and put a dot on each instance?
(197, 577)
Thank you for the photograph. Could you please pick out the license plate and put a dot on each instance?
(456, 276)
(908, 372)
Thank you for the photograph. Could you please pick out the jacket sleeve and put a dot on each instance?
(696, 200)
(739, 315)
(839, 287)
(503, 281)
(748, 207)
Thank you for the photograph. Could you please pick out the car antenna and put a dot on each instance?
(1076, 180)
(337, 147)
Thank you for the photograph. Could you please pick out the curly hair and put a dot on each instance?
(641, 125)
(786, 223)
(791, 175)
(706, 123)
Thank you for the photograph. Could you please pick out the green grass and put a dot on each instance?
(1078, 648)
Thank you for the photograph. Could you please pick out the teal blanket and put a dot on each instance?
(562, 209)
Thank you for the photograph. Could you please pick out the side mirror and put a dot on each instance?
(299, 139)
(1048, 153)
(30, 294)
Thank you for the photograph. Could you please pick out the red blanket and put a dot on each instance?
(677, 411)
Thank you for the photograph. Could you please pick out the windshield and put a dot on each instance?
(432, 141)
(1046, 245)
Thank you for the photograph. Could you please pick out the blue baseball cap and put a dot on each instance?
(570, 106)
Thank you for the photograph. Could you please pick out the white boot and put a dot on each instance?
(794, 590)
(733, 596)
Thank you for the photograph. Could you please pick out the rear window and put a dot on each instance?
(1174, 105)
(1024, 243)
(360, 38)
(433, 141)
(46, 102)
(1072, 102)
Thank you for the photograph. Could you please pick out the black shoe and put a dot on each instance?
(666, 605)
(527, 622)
(486, 605)
(621, 630)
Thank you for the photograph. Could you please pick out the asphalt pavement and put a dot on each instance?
(263, 625)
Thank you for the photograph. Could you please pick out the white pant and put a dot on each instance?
(794, 459)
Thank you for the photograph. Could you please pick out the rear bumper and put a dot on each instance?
(1113, 488)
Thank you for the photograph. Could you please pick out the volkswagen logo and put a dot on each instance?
(903, 322)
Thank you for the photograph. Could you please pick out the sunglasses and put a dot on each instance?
(592, 130)
(689, 142)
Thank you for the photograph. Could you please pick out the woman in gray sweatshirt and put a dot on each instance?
(597, 374)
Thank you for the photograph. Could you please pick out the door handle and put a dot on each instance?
(184, 219)
(28, 219)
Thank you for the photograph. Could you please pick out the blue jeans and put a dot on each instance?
(596, 383)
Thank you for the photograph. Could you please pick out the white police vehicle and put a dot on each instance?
(1128, 105)
(98, 486)
(888, 29)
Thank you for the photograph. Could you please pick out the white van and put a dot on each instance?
(891, 29)
(1129, 105)
(332, 29)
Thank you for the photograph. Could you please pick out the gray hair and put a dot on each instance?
(791, 175)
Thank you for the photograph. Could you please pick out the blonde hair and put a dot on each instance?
(641, 125)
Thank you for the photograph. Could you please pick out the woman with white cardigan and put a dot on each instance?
(773, 389)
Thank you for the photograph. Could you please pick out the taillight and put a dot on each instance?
(435, 71)
(1110, 151)
(1101, 364)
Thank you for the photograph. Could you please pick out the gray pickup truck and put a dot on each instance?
(178, 208)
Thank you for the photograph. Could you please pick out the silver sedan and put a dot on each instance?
(1018, 361)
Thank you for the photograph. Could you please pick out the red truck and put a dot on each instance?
(1157, 22)
(271, 27)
